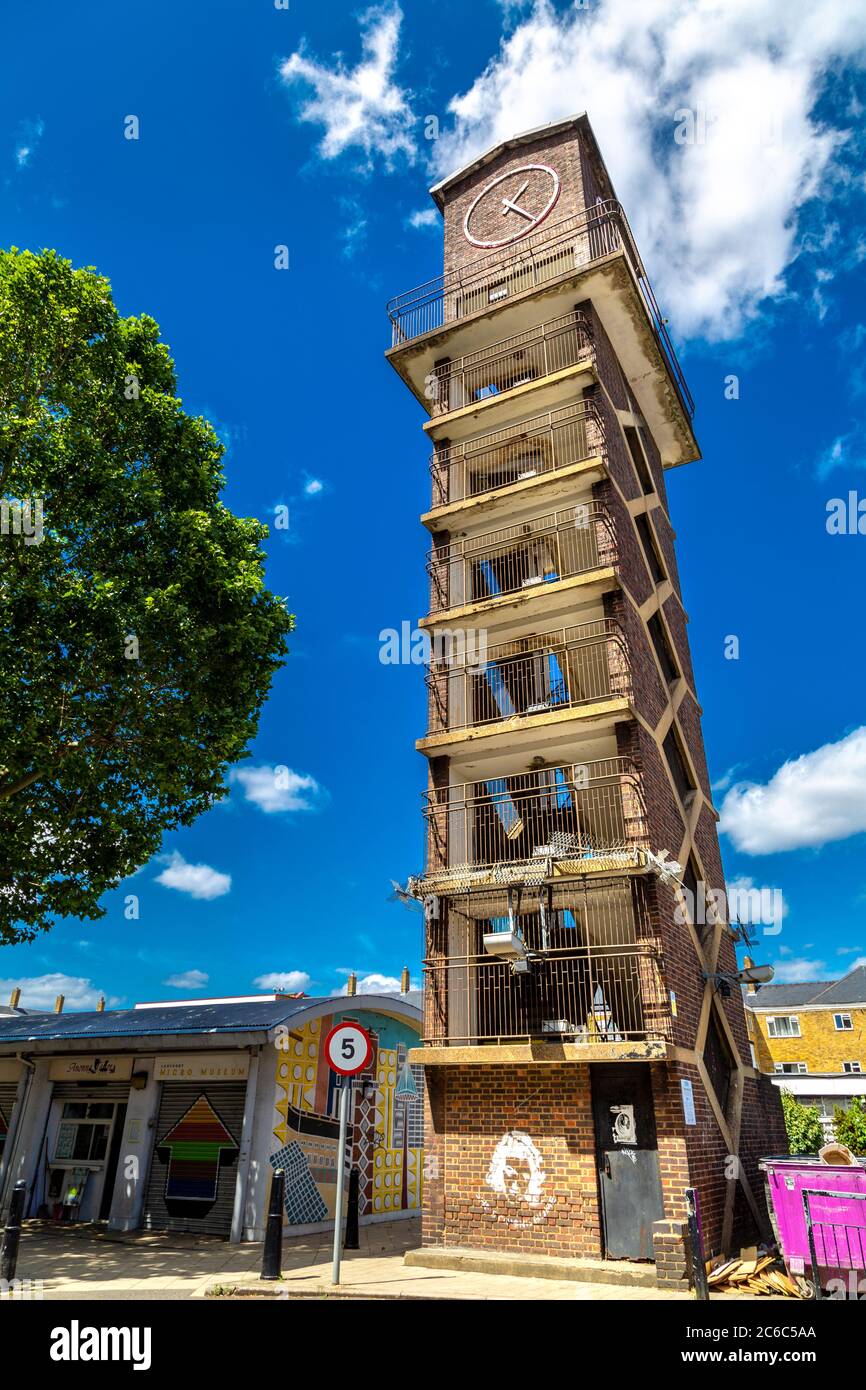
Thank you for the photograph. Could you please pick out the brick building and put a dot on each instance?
(581, 1069)
(811, 1037)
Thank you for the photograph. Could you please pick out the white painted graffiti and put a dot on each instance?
(516, 1174)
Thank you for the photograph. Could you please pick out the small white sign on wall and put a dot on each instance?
(688, 1101)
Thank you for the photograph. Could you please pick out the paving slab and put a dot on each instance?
(90, 1263)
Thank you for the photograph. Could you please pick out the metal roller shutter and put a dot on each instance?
(192, 1179)
(91, 1090)
(8, 1092)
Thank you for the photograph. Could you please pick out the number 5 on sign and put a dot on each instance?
(348, 1050)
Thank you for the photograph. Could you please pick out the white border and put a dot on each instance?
(507, 241)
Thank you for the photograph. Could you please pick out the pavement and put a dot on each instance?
(88, 1262)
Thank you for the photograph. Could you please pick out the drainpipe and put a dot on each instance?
(246, 1148)
(25, 1086)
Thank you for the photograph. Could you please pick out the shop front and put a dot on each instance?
(193, 1177)
(173, 1116)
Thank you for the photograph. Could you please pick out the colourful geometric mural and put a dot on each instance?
(386, 1121)
(196, 1145)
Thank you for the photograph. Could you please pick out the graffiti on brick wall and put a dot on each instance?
(517, 1178)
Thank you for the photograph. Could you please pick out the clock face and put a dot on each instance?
(511, 206)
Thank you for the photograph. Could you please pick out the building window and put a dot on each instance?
(678, 766)
(784, 1026)
(647, 540)
(78, 1137)
(791, 1068)
(662, 646)
(842, 1023)
(853, 1068)
(639, 460)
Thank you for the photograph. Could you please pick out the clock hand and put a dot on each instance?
(507, 202)
(512, 207)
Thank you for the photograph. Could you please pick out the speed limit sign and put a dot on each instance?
(348, 1049)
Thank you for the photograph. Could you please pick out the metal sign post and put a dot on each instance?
(349, 1051)
(341, 1178)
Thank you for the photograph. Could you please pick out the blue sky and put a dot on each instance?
(306, 127)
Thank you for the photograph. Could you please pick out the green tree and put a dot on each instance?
(803, 1123)
(849, 1125)
(137, 638)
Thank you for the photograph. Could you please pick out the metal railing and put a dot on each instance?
(554, 252)
(555, 546)
(547, 442)
(516, 361)
(591, 971)
(569, 814)
(530, 675)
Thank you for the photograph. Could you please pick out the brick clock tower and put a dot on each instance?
(585, 1062)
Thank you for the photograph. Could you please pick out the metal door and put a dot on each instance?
(630, 1189)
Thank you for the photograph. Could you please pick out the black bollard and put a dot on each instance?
(12, 1234)
(273, 1249)
(696, 1235)
(351, 1238)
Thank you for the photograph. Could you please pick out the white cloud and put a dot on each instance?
(283, 981)
(277, 788)
(199, 880)
(799, 971)
(424, 217)
(848, 951)
(716, 219)
(31, 133)
(188, 979)
(38, 992)
(361, 107)
(846, 452)
(313, 487)
(726, 779)
(809, 802)
(373, 984)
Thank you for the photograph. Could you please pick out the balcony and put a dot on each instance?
(528, 828)
(522, 558)
(502, 367)
(537, 448)
(590, 977)
(555, 253)
(545, 674)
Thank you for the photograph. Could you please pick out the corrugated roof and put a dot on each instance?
(851, 989)
(132, 1023)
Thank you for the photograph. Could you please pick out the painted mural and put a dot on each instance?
(194, 1149)
(386, 1117)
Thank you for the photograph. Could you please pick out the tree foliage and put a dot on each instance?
(803, 1123)
(137, 640)
(849, 1126)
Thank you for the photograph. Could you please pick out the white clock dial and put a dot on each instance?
(515, 202)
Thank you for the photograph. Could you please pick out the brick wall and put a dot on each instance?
(820, 1044)
(560, 151)
(469, 1111)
